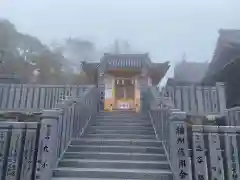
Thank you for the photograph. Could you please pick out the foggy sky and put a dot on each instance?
(165, 28)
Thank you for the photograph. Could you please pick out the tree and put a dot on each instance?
(24, 55)
(8, 36)
(49, 67)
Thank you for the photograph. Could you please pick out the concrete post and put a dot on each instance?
(199, 158)
(221, 97)
(179, 146)
(231, 151)
(48, 140)
(215, 154)
(199, 94)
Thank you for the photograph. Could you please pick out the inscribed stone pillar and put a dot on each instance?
(179, 146)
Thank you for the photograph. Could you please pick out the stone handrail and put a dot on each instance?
(26, 96)
(198, 151)
(30, 150)
(233, 116)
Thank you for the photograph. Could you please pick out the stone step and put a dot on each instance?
(129, 113)
(72, 178)
(112, 173)
(122, 114)
(115, 156)
(120, 117)
(119, 123)
(116, 118)
(116, 142)
(122, 120)
(118, 145)
(117, 149)
(115, 164)
(113, 127)
(116, 136)
(111, 131)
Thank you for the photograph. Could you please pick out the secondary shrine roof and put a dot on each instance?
(157, 71)
(227, 50)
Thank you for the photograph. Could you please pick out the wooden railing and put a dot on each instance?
(30, 150)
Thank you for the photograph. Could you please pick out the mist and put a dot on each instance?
(165, 29)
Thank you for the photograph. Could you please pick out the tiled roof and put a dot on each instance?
(226, 38)
(132, 61)
(137, 61)
(184, 71)
(174, 82)
(9, 78)
(230, 35)
(227, 55)
(89, 67)
(227, 49)
(157, 71)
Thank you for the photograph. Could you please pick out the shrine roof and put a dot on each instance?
(126, 60)
(133, 61)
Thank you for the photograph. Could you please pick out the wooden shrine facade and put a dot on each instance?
(121, 77)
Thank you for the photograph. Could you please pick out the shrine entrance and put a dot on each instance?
(124, 93)
(122, 90)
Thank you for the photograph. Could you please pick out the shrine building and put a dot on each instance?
(122, 77)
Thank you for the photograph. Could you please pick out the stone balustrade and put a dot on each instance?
(31, 149)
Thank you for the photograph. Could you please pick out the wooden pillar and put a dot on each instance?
(137, 96)
(109, 99)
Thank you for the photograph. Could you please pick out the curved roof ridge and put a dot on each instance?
(126, 54)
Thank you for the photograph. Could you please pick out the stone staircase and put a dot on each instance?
(117, 145)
